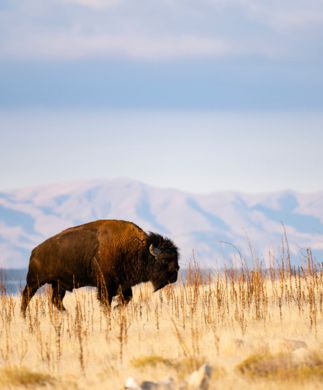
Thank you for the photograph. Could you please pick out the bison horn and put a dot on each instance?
(154, 251)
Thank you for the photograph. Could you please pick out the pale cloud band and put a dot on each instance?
(76, 45)
(162, 30)
(286, 14)
(96, 4)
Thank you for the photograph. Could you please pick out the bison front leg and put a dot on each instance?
(125, 295)
(58, 295)
(105, 293)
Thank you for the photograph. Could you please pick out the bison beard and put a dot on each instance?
(111, 255)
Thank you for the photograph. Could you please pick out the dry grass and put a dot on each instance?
(283, 367)
(151, 361)
(22, 376)
(256, 329)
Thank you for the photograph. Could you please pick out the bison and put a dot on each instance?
(111, 255)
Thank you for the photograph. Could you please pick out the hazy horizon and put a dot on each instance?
(195, 151)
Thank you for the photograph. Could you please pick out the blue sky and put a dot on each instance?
(212, 72)
(211, 54)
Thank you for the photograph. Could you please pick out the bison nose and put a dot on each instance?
(173, 278)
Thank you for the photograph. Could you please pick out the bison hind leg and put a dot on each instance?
(28, 292)
(58, 295)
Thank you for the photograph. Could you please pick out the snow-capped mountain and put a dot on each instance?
(213, 229)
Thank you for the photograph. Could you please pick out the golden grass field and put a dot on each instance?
(256, 330)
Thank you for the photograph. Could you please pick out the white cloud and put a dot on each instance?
(73, 45)
(160, 30)
(285, 14)
(96, 4)
(278, 14)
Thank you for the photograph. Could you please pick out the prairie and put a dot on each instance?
(256, 329)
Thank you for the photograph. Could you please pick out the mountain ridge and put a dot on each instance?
(198, 223)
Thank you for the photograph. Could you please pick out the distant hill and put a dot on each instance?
(212, 228)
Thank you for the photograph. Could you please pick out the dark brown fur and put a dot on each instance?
(111, 255)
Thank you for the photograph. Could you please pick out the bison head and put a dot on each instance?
(163, 260)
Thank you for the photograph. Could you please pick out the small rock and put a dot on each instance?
(200, 379)
(148, 385)
(166, 384)
(131, 384)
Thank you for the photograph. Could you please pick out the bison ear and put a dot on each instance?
(154, 251)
